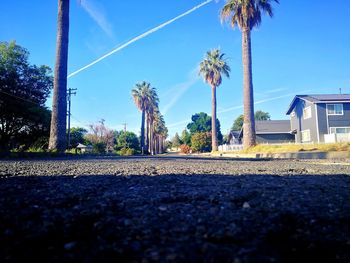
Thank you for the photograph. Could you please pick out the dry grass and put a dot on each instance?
(285, 148)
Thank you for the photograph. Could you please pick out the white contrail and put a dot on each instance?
(98, 15)
(140, 37)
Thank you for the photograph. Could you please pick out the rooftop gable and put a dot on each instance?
(319, 98)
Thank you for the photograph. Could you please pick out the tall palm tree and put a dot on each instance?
(247, 15)
(59, 103)
(152, 112)
(211, 68)
(143, 95)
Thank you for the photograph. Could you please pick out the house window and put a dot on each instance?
(305, 136)
(307, 112)
(335, 109)
(339, 130)
(292, 114)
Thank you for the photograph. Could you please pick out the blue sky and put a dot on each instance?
(303, 49)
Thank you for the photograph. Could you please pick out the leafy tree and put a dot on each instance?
(24, 89)
(238, 123)
(247, 15)
(211, 68)
(185, 137)
(258, 116)
(262, 116)
(176, 141)
(59, 100)
(201, 142)
(100, 135)
(77, 136)
(201, 122)
(127, 140)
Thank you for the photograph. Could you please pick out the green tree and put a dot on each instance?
(238, 123)
(247, 15)
(24, 89)
(77, 136)
(211, 68)
(262, 116)
(127, 140)
(258, 116)
(59, 100)
(185, 137)
(176, 141)
(201, 142)
(201, 122)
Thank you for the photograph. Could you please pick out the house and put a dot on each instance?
(84, 148)
(233, 137)
(272, 131)
(320, 118)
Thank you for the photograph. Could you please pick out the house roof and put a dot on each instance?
(275, 126)
(319, 98)
(271, 127)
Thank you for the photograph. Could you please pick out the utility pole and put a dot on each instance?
(69, 95)
(124, 124)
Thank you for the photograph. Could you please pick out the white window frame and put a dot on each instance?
(333, 104)
(292, 114)
(335, 128)
(305, 110)
(303, 131)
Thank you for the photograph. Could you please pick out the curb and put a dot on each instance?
(292, 155)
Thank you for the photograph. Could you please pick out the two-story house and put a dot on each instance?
(319, 118)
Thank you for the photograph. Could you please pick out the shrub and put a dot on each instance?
(126, 151)
(201, 142)
(184, 148)
(99, 147)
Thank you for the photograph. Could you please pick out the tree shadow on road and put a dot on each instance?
(175, 218)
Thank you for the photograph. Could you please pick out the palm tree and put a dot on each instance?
(247, 15)
(143, 95)
(212, 67)
(152, 112)
(59, 103)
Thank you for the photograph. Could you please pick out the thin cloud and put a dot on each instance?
(153, 30)
(98, 15)
(176, 124)
(178, 91)
(256, 103)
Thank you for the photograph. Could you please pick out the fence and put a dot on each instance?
(337, 137)
(230, 147)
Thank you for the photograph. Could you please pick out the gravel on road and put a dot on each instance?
(171, 209)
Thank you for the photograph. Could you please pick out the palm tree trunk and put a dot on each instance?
(143, 132)
(59, 103)
(248, 94)
(147, 134)
(214, 142)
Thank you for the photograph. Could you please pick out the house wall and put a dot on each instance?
(299, 124)
(322, 120)
(275, 138)
(326, 121)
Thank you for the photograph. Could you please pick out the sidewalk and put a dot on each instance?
(291, 155)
